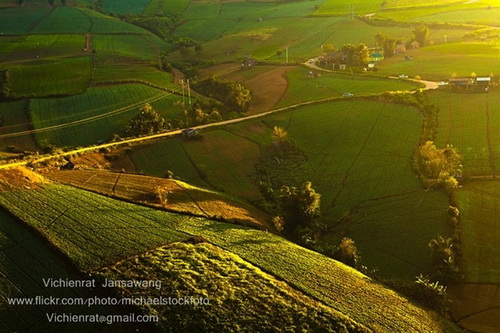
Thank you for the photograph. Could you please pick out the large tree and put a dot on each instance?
(148, 121)
(420, 34)
(299, 206)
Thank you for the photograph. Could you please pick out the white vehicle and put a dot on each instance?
(311, 61)
(347, 94)
(402, 76)
(442, 83)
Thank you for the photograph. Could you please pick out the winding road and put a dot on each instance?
(428, 86)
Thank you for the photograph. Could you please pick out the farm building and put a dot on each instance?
(461, 82)
(376, 57)
(483, 81)
(415, 45)
(400, 48)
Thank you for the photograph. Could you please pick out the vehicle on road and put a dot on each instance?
(347, 94)
(403, 76)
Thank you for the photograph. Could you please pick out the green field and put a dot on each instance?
(479, 205)
(440, 62)
(14, 120)
(358, 156)
(21, 20)
(31, 47)
(138, 46)
(482, 16)
(25, 261)
(88, 118)
(165, 6)
(124, 7)
(455, 12)
(204, 270)
(82, 20)
(468, 122)
(396, 9)
(68, 219)
(303, 38)
(302, 88)
(40, 78)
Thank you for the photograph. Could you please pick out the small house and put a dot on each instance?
(376, 57)
(400, 48)
(415, 45)
(483, 81)
(461, 82)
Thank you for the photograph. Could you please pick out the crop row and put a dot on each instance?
(337, 285)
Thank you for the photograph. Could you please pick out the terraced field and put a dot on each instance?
(358, 156)
(25, 261)
(124, 7)
(67, 221)
(440, 62)
(60, 77)
(179, 196)
(13, 117)
(479, 205)
(468, 120)
(102, 111)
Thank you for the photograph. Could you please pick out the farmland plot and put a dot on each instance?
(21, 20)
(102, 111)
(165, 6)
(479, 205)
(25, 260)
(303, 88)
(467, 121)
(358, 155)
(124, 7)
(88, 236)
(13, 116)
(32, 47)
(40, 78)
(82, 20)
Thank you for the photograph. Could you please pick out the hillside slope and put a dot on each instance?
(84, 226)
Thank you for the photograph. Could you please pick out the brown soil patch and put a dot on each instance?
(476, 306)
(180, 197)
(91, 161)
(19, 179)
(268, 88)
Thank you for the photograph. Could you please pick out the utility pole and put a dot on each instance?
(189, 92)
(183, 99)
(286, 54)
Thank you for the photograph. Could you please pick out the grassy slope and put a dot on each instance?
(240, 294)
(99, 113)
(25, 260)
(468, 122)
(13, 115)
(91, 242)
(180, 196)
(479, 206)
(358, 159)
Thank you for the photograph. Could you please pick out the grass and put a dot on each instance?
(213, 160)
(14, 119)
(468, 122)
(123, 7)
(21, 20)
(25, 260)
(481, 16)
(137, 46)
(41, 78)
(165, 6)
(479, 207)
(238, 293)
(180, 196)
(302, 88)
(439, 62)
(102, 111)
(32, 47)
(68, 222)
(358, 153)
(82, 20)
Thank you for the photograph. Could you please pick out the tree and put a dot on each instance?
(299, 206)
(348, 252)
(444, 259)
(279, 134)
(435, 161)
(420, 34)
(148, 121)
(361, 55)
(380, 39)
(239, 97)
(327, 48)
